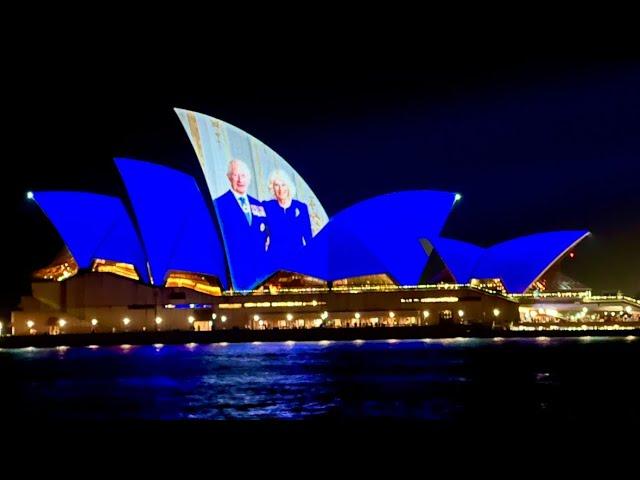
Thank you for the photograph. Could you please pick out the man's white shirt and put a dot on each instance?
(246, 207)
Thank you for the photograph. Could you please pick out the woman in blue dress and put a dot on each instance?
(289, 222)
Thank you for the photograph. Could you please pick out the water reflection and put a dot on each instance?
(422, 379)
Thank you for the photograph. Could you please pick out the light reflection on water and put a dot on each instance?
(422, 379)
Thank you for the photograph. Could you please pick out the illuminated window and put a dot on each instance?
(202, 326)
(193, 281)
(61, 268)
(288, 281)
(378, 280)
(446, 315)
(118, 268)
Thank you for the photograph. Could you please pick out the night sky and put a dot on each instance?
(533, 142)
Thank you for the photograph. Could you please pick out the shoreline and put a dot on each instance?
(177, 337)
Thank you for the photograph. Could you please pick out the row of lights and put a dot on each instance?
(223, 318)
(126, 321)
(583, 312)
(325, 315)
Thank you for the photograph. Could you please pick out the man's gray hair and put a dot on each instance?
(241, 166)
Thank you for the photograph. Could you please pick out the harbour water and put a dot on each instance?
(492, 379)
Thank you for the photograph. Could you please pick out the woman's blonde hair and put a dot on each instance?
(284, 177)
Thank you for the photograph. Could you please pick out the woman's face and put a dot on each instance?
(281, 190)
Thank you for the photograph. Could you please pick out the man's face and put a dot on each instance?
(281, 190)
(239, 179)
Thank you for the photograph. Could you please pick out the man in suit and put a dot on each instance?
(243, 222)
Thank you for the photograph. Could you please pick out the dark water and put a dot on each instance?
(472, 379)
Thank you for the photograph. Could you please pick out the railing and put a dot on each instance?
(366, 288)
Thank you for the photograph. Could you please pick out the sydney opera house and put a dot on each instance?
(249, 245)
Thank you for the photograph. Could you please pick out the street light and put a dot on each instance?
(223, 318)
(62, 322)
(126, 321)
(496, 312)
(191, 319)
(461, 313)
(30, 324)
(289, 317)
(94, 322)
